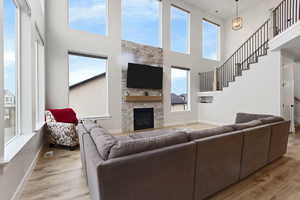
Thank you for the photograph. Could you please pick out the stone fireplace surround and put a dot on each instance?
(141, 54)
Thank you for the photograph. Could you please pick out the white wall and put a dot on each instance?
(257, 91)
(61, 39)
(253, 18)
(297, 91)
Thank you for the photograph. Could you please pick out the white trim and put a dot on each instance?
(20, 188)
(18, 69)
(1, 83)
(15, 146)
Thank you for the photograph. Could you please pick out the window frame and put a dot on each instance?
(18, 77)
(84, 31)
(188, 88)
(188, 39)
(89, 55)
(39, 78)
(218, 38)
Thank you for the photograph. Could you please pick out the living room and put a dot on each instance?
(141, 85)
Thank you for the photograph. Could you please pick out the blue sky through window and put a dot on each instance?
(141, 21)
(10, 46)
(179, 30)
(210, 40)
(88, 15)
(179, 81)
(82, 68)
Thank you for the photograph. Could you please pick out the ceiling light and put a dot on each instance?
(237, 22)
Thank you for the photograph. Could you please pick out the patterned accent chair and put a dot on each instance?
(61, 133)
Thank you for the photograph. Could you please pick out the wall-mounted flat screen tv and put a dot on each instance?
(144, 76)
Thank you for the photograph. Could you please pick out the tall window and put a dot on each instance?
(10, 70)
(88, 85)
(88, 15)
(179, 30)
(141, 21)
(179, 89)
(40, 82)
(211, 40)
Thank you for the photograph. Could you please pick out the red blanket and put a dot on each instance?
(66, 115)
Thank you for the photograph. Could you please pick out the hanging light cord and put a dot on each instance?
(237, 8)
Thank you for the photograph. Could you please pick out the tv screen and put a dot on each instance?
(144, 76)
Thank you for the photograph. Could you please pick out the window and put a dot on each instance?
(211, 40)
(179, 30)
(88, 85)
(10, 70)
(179, 89)
(88, 15)
(141, 21)
(39, 79)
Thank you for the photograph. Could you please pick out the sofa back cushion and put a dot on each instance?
(198, 134)
(247, 117)
(241, 126)
(273, 119)
(153, 133)
(133, 146)
(103, 140)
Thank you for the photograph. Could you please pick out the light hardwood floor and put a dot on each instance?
(59, 178)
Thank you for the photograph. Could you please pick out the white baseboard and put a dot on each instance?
(21, 186)
(180, 124)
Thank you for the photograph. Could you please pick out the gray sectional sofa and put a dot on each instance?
(178, 164)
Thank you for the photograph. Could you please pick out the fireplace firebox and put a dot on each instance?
(143, 118)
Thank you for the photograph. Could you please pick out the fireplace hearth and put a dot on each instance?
(143, 118)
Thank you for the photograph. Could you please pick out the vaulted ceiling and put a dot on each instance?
(223, 8)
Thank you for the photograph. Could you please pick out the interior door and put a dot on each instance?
(288, 93)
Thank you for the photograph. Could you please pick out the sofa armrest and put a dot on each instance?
(92, 161)
(279, 140)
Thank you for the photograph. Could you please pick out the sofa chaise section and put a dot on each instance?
(154, 174)
(218, 163)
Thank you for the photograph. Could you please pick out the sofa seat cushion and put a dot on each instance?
(103, 140)
(154, 133)
(198, 134)
(246, 125)
(273, 119)
(247, 117)
(133, 146)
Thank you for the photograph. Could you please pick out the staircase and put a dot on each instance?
(284, 15)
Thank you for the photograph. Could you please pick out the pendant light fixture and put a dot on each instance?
(237, 22)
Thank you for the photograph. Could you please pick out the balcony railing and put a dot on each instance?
(285, 15)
